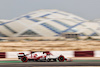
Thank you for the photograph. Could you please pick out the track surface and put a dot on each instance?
(50, 64)
(31, 64)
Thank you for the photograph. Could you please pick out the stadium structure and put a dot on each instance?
(47, 23)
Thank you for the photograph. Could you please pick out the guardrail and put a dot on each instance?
(65, 53)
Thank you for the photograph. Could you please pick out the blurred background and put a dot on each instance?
(49, 25)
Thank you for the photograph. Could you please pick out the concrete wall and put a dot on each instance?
(57, 53)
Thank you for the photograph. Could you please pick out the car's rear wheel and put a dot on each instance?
(24, 59)
(61, 58)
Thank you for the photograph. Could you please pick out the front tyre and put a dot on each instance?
(24, 59)
(61, 58)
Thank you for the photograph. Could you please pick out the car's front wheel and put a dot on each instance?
(61, 58)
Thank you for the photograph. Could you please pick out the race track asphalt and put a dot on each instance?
(30, 64)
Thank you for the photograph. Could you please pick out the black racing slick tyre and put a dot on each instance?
(24, 59)
(61, 58)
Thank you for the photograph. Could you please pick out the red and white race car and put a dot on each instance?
(42, 56)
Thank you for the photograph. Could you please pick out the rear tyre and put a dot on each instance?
(24, 59)
(61, 58)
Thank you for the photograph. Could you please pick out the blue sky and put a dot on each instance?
(88, 9)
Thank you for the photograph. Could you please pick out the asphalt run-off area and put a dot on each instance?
(73, 63)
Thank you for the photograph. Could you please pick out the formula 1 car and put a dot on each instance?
(42, 56)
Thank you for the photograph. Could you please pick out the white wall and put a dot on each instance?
(96, 53)
(14, 54)
(64, 53)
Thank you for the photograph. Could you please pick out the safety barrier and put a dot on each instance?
(2, 55)
(65, 53)
(84, 54)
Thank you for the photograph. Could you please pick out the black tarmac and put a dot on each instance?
(31, 64)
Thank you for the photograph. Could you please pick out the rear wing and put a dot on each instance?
(20, 55)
